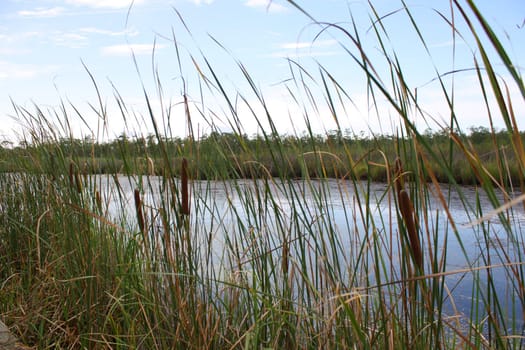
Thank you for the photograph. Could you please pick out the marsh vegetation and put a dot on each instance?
(272, 241)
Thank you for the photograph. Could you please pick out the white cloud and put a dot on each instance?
(447, 44)
(112, 4)
(308, 44)
(93, 30)
(17, 37)
(15, 43)
(198, 2)
(126, 50)
(72, 40)
(9, 70)
(42, 12)
(269, 5)
(469, 108)
(10, 51)
(307, 49)
(297, 54)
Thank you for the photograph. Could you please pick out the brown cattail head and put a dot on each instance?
(138, 209)
(185, 205)
(408, 214)
(98, 201)
(78, 182)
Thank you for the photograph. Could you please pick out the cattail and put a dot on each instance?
(78, 182)
(407, 212)
(138, 209)
(98, 201)
(185, 205)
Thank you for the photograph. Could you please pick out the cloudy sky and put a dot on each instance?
(51, 49)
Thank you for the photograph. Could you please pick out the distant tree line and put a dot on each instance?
(224, 154)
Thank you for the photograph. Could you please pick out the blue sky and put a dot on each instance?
(46, 43)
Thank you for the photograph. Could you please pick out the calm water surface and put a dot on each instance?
(223, 211)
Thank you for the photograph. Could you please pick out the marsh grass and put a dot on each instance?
(272, 268)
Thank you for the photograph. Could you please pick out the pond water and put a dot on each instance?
(226, 212)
